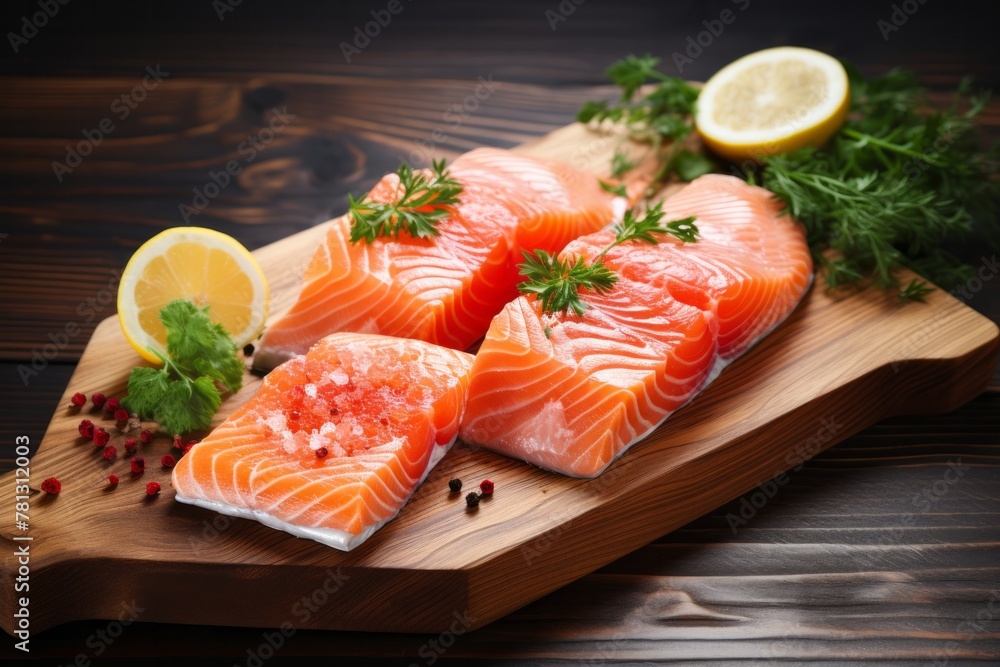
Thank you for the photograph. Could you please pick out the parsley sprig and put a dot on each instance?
(557, 282)
(662, 118)
(420, 206)
(183, 395)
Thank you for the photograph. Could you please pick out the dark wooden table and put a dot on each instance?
(873, 551)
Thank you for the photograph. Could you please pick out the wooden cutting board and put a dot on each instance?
(836, 366)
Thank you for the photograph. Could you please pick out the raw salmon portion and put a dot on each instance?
(571, 393)
(447, 288)
(385, 409)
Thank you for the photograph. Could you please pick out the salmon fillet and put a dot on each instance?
(571, 393)
(385, 409)
(444, 289)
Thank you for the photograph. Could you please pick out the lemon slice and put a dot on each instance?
(773, 101)
(203, 265)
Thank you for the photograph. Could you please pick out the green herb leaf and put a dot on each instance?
(421, 206)
(146, 388)
(689, 166)
(194, 342)
(915, 291)
(557, 283)
(612, 188)
(188, 406)
(622, 164)
(182, 396)
(662, 116)
(893, 185)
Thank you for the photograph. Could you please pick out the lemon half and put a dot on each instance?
(773, 101)
(203, 265)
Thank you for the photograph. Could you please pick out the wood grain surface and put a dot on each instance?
(65, 241)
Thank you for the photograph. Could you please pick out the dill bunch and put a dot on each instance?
(893, 186)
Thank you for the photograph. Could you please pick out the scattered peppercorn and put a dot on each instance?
(168, 461)
(152, 488)
(146, 437)
(189, 445)
(322, 453)
(110, 452)
(248, 350)
(472, 500)
(51, 485)
(86, 429)
(455, 485)
(112, 480)
(486, 486)
(121, 415)
(178, 442)
(131, 444)
(78, 399)
(101, 437)
(98, 400)
(138, 464)
(111, 404)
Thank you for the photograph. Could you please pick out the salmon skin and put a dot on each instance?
(384, 409)
(571, 393)
(443, 289)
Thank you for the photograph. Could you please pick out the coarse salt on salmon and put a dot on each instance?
(385, 409)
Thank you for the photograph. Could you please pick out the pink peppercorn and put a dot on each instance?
(138, 464)
(98, 400)
(152, 488)
(86, 429)
(168, 461)
(101, 437)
